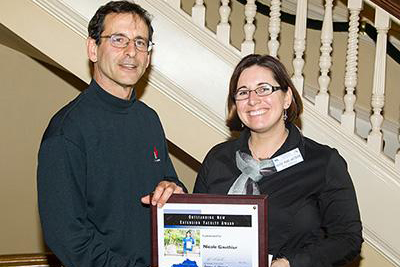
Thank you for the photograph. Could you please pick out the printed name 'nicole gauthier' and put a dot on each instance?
(219, 247)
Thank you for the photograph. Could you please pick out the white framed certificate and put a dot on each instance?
(196, 230)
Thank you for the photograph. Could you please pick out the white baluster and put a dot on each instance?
(199, 13)
(299, 45)
(274, 27)
(348, 118)
(174, 3)
(250, 12)
(223, 28)
(322, 99)
(382, 24)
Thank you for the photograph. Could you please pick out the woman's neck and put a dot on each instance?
(264, 145)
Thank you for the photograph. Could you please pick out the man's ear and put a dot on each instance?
(148, 59)
(91, 47)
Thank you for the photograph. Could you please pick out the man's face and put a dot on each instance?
(119, 68)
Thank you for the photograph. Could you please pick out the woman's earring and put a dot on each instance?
(285, 114)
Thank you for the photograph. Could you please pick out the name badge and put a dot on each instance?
(287, 159)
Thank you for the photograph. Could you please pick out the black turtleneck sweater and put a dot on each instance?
(99, 155)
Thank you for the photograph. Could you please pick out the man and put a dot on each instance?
(104, 151)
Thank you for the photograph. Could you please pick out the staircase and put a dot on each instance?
(190, 71)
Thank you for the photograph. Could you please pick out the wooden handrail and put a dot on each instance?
(390, 6)
(42, 260)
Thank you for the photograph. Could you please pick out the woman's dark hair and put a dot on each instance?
(96, 24)
(280, 75)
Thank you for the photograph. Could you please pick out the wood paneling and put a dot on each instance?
(391, 6)
(42, 260)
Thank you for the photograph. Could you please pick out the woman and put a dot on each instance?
(313, 214)
(188, 243)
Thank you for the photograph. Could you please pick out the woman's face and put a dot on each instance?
(261, 113)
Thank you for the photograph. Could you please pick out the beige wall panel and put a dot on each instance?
(29, 95)
(57, 38)
(185, 166)
(371, 258)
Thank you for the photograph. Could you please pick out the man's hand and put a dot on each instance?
(162, 193)
(282, 262)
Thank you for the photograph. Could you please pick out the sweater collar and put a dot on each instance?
(110, 101)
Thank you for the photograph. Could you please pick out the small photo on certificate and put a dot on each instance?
(181, 242)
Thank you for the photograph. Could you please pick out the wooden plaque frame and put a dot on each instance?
(259, 200)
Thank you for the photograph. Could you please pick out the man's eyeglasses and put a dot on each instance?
(121, 41)
(263, 90)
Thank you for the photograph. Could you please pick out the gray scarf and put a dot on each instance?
(252, 171)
